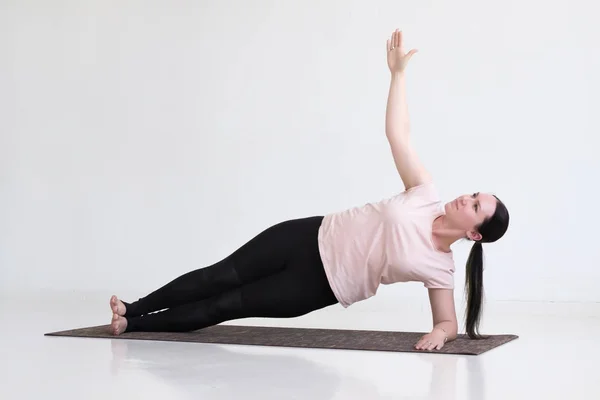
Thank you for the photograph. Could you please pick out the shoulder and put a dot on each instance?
(423, 187)
(442, 278)
(440, 273)
(426, 192)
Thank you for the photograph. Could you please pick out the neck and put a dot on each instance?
(444, 235)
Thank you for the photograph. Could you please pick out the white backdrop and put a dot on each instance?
(140, 140)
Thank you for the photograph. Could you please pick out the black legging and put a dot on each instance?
(277, 274)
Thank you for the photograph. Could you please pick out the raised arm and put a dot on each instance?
(397, 126)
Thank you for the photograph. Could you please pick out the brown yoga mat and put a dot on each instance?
(301, 337)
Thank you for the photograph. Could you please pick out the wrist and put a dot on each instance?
(442, 332)
(397, 75)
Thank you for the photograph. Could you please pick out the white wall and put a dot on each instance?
(140, 140)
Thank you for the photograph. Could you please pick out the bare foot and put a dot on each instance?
(117, 306)
(118, 325)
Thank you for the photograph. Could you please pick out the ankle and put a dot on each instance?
(130, 310)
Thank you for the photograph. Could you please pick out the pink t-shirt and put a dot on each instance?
(385, 242)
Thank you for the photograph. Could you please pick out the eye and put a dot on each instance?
(475, 206)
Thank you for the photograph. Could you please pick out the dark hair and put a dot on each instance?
(492, 229)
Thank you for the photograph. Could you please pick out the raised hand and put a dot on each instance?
(396, 57)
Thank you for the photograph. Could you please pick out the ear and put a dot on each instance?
(474, 235)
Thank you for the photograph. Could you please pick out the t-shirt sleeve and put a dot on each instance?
(442, 279)
(425, 193)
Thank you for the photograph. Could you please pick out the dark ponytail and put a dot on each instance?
(491, 230)
(474, 289)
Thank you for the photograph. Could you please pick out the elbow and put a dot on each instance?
(397, 137)
(397, 131)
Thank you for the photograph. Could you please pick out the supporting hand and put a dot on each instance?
(432, 341)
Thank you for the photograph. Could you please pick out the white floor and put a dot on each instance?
(556, 357)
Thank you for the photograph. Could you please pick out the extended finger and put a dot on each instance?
(424, 344)
(396, 38)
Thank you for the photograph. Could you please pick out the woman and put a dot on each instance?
(302, 265)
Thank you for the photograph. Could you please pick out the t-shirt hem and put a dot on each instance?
(326, 263)
(428, 286)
